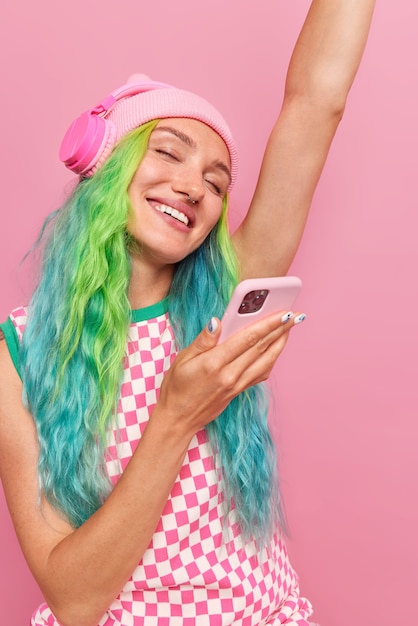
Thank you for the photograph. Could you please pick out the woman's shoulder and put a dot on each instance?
(12, 332)
(18, 318)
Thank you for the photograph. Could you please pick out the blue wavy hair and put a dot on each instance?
(74, 343)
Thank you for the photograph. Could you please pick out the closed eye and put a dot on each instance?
(167, 154)
(216, 188)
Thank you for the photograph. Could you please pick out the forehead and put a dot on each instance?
(196, 135)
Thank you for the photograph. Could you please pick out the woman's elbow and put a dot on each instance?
(325, 94)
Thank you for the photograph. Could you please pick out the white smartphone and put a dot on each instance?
(256, 298)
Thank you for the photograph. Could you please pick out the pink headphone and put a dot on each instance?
(91, 137)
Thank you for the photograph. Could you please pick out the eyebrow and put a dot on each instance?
(178, 133)
(220, 165)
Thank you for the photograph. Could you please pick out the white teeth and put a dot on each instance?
(163, 208)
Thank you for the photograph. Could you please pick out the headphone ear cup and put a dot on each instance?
(85, 141)
(105, 150)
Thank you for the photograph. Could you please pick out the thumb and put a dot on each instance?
(207, 338)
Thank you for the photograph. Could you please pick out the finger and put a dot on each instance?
(256, 332)
(298, 319)
(288, 321)
(262, 356)
(259, 369)
(255, 363)
(206, 339)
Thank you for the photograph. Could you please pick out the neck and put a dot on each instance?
(148, 285)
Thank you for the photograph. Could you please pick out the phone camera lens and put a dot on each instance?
(244, 307)
(258, 300)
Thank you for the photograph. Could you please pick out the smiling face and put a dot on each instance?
(184, 158)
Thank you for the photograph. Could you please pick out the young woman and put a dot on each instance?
(134, 449)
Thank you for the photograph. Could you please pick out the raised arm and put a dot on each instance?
(321, 71)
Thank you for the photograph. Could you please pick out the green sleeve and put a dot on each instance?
(12, 341)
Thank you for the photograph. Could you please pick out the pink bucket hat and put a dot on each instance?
(91, 138)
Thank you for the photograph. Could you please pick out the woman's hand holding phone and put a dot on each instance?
(208, 374)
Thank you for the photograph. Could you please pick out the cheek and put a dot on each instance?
(149, 173)
(139, 182)
(212, 217)
(215, 214)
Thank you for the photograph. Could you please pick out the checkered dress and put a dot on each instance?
(192, 574)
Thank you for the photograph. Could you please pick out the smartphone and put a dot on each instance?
(256, 298)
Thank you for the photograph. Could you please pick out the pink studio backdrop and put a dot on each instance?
(347, 383)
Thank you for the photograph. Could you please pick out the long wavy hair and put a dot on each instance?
(75, 340)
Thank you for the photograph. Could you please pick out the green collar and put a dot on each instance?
(149, 312)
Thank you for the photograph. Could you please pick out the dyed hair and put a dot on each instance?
(75, 340)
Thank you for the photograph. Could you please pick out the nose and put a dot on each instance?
(190, 183)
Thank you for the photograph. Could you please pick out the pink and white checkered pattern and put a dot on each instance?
(194, 572)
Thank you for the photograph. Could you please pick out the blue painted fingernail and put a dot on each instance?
(212, 325)
(299, 318)
(286, 317)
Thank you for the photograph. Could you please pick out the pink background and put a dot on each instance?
(347, 384)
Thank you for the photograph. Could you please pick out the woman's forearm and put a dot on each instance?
(88, 568)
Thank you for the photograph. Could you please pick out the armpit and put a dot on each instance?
(1, 335)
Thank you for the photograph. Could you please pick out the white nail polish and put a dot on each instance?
(212, 325)
(299, 318)
(286, 317)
